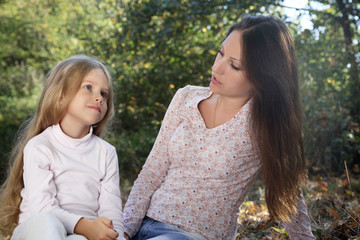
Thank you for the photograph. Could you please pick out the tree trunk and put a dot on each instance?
(350, 51)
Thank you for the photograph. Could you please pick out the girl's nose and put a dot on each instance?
(99, 98)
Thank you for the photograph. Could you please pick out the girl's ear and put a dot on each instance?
(61, 99)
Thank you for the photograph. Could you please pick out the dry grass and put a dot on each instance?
(333, 206)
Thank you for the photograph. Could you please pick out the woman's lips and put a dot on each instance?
(214, 81)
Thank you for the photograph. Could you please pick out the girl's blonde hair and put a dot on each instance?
(62, 83)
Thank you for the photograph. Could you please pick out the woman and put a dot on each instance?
(214, 141)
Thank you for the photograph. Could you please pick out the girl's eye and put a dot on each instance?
(104, 94)
(221, 53)
(88, 87)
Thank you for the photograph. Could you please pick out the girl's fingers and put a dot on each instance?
(113, 234)
(107, 222)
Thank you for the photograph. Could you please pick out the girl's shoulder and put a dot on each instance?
(53, 138)
(41, 142)
(41, 138)
(103, 143)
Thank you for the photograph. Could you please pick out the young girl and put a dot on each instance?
(64, 179)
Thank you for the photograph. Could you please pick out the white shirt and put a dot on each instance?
(71, 178)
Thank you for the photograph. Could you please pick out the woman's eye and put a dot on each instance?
(236, 68)
(88, 87)
(221, 53)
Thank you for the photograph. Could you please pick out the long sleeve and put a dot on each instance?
(300, 225)
(153, 172)
(39, 187)
(71, 178)
(110, 197)
(195, 177)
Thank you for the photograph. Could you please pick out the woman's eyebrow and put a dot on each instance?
(232, 58)
(235, 59)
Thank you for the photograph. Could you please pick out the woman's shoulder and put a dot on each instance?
(191, 91)
(194, 89)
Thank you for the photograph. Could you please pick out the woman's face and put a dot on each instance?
(228, 75)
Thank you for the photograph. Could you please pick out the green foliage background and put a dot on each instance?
(155, 47)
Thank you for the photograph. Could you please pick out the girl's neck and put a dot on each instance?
(74, 131)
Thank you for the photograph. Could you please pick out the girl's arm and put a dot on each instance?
(154, 170)
(40, 190)
(110, 196)
(101, 228)
(300, 225)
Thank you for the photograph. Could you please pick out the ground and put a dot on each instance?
(333, 206)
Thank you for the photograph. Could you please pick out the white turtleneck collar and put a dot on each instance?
(69, 141)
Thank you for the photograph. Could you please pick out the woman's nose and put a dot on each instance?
(218, 66)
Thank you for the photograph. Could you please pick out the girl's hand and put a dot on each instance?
(126, 236)
(98, 229)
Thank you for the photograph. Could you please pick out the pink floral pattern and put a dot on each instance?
(195, 177)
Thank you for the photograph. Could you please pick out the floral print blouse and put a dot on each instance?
(197, 178)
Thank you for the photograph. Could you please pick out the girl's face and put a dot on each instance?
(228, 76)
(89, 105)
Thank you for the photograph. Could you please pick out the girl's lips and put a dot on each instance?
(95, 108)
(214, 81)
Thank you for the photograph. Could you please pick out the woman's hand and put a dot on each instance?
(98, 229)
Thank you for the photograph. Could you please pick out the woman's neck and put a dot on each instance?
(229, 104)
(222, 109)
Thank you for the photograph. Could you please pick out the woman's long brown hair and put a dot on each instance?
(270, 64)
(62, 84)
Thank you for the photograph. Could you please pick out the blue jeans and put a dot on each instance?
(155, 230)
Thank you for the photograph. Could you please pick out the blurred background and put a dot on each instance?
(154, 47)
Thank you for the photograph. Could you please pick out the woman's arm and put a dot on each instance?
(300, 225)
(154, 170)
